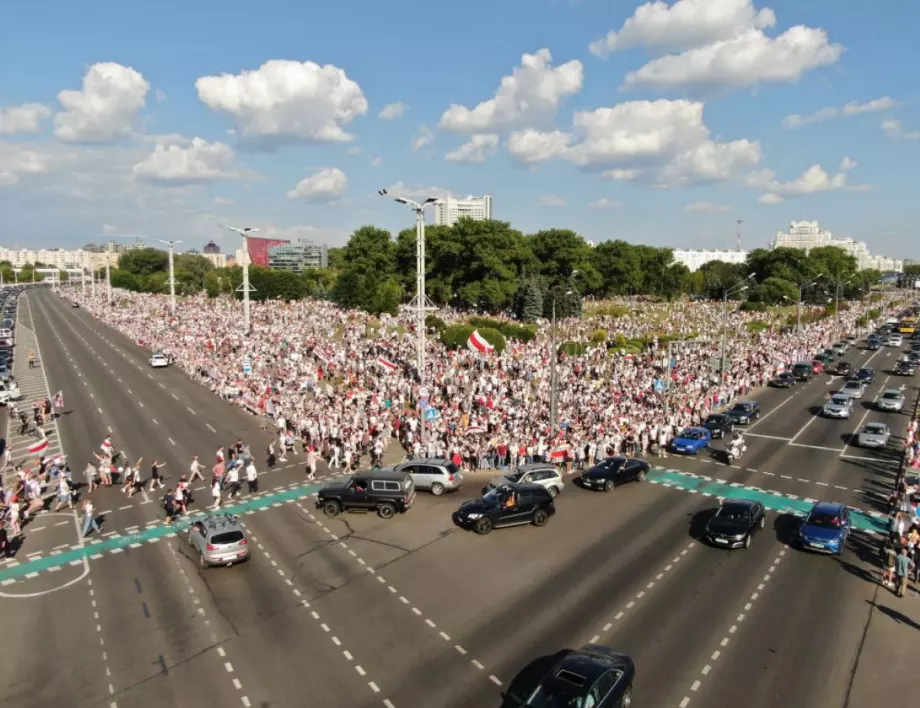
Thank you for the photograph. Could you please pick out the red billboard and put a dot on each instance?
(258, 249)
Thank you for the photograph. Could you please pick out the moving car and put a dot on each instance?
(691, 440)
(783, 380)
(804, 370)
(892, 400)
(866, 374)
(840, 348)
(545, 474)
(825, 529)
(905, 368)
(75, 304)
(874, 342)
(826, 360)
(508, 505)
(853, 388)
(817, 366)
(744, 412)
(873, 435)
(433, 474)
(736, 521)
(844, 368)
(614, 471)
(219, 539)
(5, 373)
(894, 340)
(838, 407)
(719, 425)
(592, 677)
(159, 360)
(387, 492)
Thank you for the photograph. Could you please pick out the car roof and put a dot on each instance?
(746, 503)
(832, 508)
(220, 521)
(388, 473)
(537, 466)
(694, 427)
(892, 390)
(745, 403)
(723, 416)
(591, 662)
(526, 487)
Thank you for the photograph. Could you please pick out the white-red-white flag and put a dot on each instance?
(38, 447)
(478, 343)
(386, 364)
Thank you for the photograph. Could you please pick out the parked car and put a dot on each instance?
(838, 407)
(691, 440)
(543, 473)
(825, 529)
(719, 425)
(219, 539)
(432, 474)
(508, 505)
(613, 472)
(894, 340)
(783, 380)
(387, 492)
(594, 676)
(736, 521)
(9, 392)
(804, 370)
(744, 412)
(866, 374)
(853, 388)
(873, 435)
(891, 400)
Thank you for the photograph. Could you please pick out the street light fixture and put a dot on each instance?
(244, 234)
(739, 288)
(172, 276)
(554, 373)
(421, 298)
(802, 289)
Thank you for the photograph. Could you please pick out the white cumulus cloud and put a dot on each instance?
(326, 184)
(24, 118)
(750, 58)
(400, 189)
(376, 162)
(529, 97)
(662, 142)
(846, 164)
(604, 203)
(684, 24)
(478, 149)
(423, 137)
(18, 161)
(893, 129)
(852, 108)
(200, 162)
(812, 180)
(285, 102)
(105, 109)
(706, 208)
(551, 200)
(393, 110)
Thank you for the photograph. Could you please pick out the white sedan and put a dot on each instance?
(159, 360)
(874, 435)
(9, 392)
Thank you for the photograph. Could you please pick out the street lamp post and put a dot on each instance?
(554, 373)
(421, 298)
(108, 282)
(798, 311)
(739, 288)
(244, 234)
(172, 276)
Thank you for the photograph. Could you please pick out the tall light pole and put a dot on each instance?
(172, 276)
(738, 223)
(421, 298)
(554, 374)
(244, 234)
(108, 282)
(798, 309)
(739, 288)
(838, 286)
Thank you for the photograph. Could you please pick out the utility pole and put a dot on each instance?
(739, 288)
(245, 287)
(421, 297)
(108, 282)
(554, 354)
(172, 276)
(738, 223)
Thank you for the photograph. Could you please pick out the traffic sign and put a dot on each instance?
(423, 392)
(659, 386)
(423, 404)
(431, 414)
(247, 365)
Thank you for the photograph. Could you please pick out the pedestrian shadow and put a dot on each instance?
(527, 679)
(898, 617)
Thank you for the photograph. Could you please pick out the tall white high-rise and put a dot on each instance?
(448, 210)
(807, 235)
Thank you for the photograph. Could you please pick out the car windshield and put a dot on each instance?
(716, 419)
(514, 476)
(853, 384)
(557, 696)
(691, 434)
(742, 408)
(824, 521)
(840, 400)
(733, 512)
(864, 372)
(874, 429)
(219, 539)
(892, 395)
(801, 367)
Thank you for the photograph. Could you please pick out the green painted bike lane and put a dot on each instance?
(775, 501)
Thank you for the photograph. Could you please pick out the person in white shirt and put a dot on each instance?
(195, 470)
(252, 477)
(215, 493)
(233, 480)
(89, 518)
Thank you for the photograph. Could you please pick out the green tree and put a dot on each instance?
(620, 267)
(388, 296)
(776, 291)
(336, 258)
(833, 262)
(560, 252)
(529, 301)
(718, 276)
(124, 279)
(144, 261)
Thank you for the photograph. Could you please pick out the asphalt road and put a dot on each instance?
(357, 611)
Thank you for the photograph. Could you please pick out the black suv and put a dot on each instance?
(718, 425)
(384, 491)
(507, 505)
(744, 412)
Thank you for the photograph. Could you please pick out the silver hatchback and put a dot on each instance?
(892, 400)
(219, 539)
(434, 474)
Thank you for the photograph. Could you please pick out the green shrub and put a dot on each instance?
(862, 321)
(599, 336)
(640, 343)
(434, 322)
(751, 306)
(481, 323)
(456, 336)
(874, 313)
(572, 348)
(493, 337)
(608, 311)
(620, 341)
(756, 326)
(522, 333)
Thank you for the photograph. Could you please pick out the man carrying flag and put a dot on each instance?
(59, 400)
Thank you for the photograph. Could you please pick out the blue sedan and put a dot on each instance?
(826, 528)
(691, 440)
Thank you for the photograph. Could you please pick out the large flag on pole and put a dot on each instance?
(38, 447)
(258, 249)
(477, 343)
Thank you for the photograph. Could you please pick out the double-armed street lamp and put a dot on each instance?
(738, 288)
(554, 373)
(244, 233)
(172, 276)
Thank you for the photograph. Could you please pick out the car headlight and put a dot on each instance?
(738, 537)
(473, 517)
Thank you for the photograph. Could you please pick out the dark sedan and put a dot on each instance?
(744, 412)
(783, 380)
(593, 676)
(844, 368)
(719, 425)
(866, 374)
(735, 523)
(613, 472)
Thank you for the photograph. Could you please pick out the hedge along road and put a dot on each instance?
(694, 484)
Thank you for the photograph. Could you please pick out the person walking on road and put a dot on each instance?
(65, 493)
(252, 477)
(89, 518)
(233, 480)
(31, 358)
(311, 462)
(155, 480)
(195, 470)
(904, 565)
(216, 493)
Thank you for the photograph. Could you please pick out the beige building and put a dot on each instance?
(58, 258)
(807, 235)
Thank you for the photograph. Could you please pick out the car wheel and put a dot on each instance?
(331, 508)
(747, 541)
(553, 491)
(483, 526)
(540, 517)
(642, 476)
(485, 490)
(437, 489)
(386, 511)
(763, 521)
(202, 563)
(609, 485)
(626, 700)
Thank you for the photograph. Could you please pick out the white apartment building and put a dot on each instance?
(807, 235)
(218, 260)
(58, 258)
(693, 258)
(448, 210)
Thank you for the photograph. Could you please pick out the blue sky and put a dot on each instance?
(659, 124)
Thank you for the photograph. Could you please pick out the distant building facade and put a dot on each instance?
(59, 258)
(806, 235)
(299, 256)
(449, 210)
(693, 258)
(211, 247)
(218, 260)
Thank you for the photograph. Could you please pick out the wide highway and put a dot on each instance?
(414, 613)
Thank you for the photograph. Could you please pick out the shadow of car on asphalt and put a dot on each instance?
(698, 523)
(787, 528)
(528, 678)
